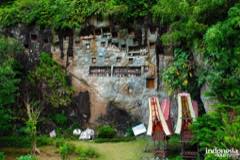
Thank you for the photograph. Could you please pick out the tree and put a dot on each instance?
(8, 17)
(218, 129)
(8, 92)
(9, 82)
(33, 112)
(47, 86)
(222, 56)
(176, 77)
(48, 83)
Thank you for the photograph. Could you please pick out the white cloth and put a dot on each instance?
(53, 134)
(87, 134)
(77, 132)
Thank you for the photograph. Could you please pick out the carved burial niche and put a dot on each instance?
(77, 41)
(123, 46)
(46, 40)
(134, 50)
(134, 71)
(150, 83)
(26, 45)
(152, 29)
(119, 59)
(106, 30)
(107, 59)
(130, 60)
(103, 44)
(152, 45)
(98, 31)
(146, 69)
(126, 71)
(34, 37)
(88, 45)
(109, 41)
(115, 44)
(114, 34)
(94, 60)
(101, 71)
(120, 71)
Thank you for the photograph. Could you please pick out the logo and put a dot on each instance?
(230, 153)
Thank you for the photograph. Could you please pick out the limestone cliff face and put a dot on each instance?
(114, 67)
(112, 63)
(34, 39)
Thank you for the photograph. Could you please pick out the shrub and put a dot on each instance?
(218, 129)
(176, 158)
(207, 132)
(130, 132)
(65, 150)
(15, 141)
(178, 74)
(27, 157)
(59, 142)
(106, 131)
(23, 142)
(2, 156)
(85, 153)
(116, 139)
(44, 141)
(48, 73)
(60, 119)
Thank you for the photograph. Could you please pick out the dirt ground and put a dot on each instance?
(47, 153)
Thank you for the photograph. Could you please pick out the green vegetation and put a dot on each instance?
(33, 112)
(50, 81)
(25, 83)
(60, 119)
(27, 157)
(68, 149)
(222, 50)
(8, 92)
(65, 150)
(133, 150)
(208, 133)
(24, 142)
(177, 76)
(116, 139)
(203, 36)
(214, 39)
(9, 49)
(86, 153)
(2, 156)
(106, 131)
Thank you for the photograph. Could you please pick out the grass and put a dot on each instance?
(132, 150)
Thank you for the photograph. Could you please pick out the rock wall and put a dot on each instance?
(114, 66)
(34, 39)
